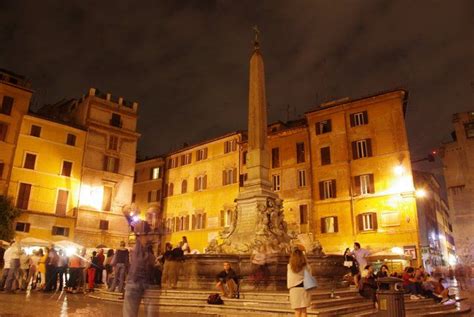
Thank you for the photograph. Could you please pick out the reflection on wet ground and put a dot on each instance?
(38, 304)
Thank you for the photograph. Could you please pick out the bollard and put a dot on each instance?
(391, 301)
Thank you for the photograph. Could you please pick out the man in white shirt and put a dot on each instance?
(14, 261)
(360, 255)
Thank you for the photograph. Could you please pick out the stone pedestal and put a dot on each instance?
(200, 271)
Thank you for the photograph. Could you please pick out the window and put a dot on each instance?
(23, 196)
(199, 221)
(226, 218)
(104, 225)
(200, 183)
(35, 131)
(325, 155)
(469, 127)
(367, 221)
(60, 231)
(113, 143)
(300, 155)
(111, 164)
(276, 182)
(107, 198)
(186, 159)
(2, 167)
(71, 139)
(3, 131)
(361, 149)
(201, 154)
(323, 127)
(327, 189)
(303, 214)
(61, 203)
(7, 104)
(173, 162)
(230, 146)
(301, 178)
(30, 161)
(364, 184)
(243, 178)
(184, 187)
(390, 219)
(155, 173)
(275, 157)
(170, 189)
(158, 194)
(244, 157)
(67, 168)
(116, 120)
(359, 118)
(329, 225)
(22, 227)
(229, 176)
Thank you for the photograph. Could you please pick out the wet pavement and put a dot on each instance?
(38, 304)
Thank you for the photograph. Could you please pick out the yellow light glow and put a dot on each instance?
(397, 250)
(399, 170)
(70, 251)
(91, 196)
(420, 193)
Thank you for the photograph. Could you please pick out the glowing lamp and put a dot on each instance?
(420, 193)
(397, 250)
(70, 251)
(399, 170)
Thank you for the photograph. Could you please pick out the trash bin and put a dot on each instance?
(391, 301)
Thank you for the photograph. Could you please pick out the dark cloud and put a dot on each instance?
(186, 62)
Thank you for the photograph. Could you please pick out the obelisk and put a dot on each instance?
(259, 220)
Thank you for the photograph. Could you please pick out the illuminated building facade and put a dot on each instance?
(343, 171)
(457, 157)
(436, 232)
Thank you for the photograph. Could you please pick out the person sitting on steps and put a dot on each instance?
(227, 281)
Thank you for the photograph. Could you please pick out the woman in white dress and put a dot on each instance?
(300, 299)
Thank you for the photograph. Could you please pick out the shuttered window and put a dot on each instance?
(302, 178)
(323, 127)
(170, 189)
(275, 157)
(367, 221)
(67, 168)
(303, 214)
(329, 225)
(361, 149)
(107, 198)
(200, 183)
(155, 173)
(30, 160)
(71, 139)
(116, 120)
(3, 131)
(23, 196)
(300, 152)
(364, 184)
(327, 189)
(7, 105)
(276, 182)
(184, 187)
(35, 131)
(22, 227)
(230, 146)
(229, 176)
(201, 154)
(244, 158)
(61, 203)
(60, 231)
(111, 164)
(325, 155)
(104, 225)
(359, 118)
(113, 143)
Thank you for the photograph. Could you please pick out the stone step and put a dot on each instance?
(340, 310)
(459, 309)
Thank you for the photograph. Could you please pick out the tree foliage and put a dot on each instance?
(8, 214)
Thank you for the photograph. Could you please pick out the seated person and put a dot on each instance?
(227, 281)
(382, 274)
(368, 285)
(410, 282)
(440, 291)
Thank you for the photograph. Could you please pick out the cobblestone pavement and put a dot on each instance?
(38, 304)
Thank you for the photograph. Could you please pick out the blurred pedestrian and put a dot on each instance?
(100, 267)
(108, 267)
(120, 264)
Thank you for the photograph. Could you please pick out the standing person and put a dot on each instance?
(300, 299)
(42, 266)
(82, 279)
(91, 271)
(33, 272)
(108, 267)
(120, 264)
(100, 267)
(12, 277)
(62, 269)
(351, 263)
(165, 262)
(140, 268)
(24, 270)
(51, 270)
(360, 255)
(175, 261)
(75, 271)
(6, 269)
(185, 245)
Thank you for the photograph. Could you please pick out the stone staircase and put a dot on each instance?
(325, 303)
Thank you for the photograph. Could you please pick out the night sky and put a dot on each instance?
(186, 62)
